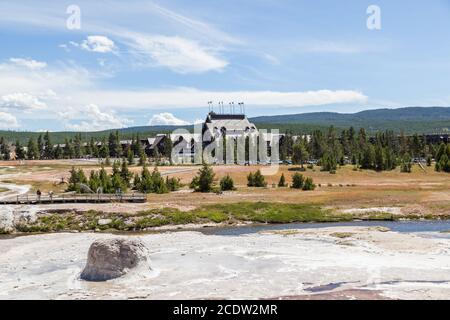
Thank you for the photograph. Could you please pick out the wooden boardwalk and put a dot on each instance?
(75, 198)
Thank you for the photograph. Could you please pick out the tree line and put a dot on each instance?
(384, 151)
(120, 180)
(76, 148)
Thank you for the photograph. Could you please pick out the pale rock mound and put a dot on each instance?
(112, 258)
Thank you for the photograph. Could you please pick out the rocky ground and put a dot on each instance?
(325, 263)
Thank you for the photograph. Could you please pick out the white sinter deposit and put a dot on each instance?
(13, 214)
(191, 265)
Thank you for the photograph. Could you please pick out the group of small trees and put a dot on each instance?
(119, 180)
(153, 182)
(443, 158)
(383, 151)
(298, 182)
(100, 181)
(256, 179)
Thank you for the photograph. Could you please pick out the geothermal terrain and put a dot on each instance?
(318, 262)
(326, 263)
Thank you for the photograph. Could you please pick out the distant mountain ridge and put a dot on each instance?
(410, 120)
(400, 114)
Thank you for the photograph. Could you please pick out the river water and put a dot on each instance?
(432, 228)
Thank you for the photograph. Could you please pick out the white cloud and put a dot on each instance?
(190, 97)
(64, 77)
(99, 44)
(166, 118)
(8, 121)
(178, 54)
(28, 63)
(21, 101)
(270, 58)
(94, 119)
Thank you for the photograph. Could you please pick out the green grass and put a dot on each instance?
(268, 212)
(260, 212)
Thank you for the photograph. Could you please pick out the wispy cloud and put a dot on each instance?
(92, 119)
(201, 28)
(176, 53)
(8, 121)
(28, 63)
(192, 97)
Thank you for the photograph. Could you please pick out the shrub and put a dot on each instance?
(297, 180)
(282, 182)
(227, 183)
(173, 184)
(256, 180)
(251, 180)
(308, 184)
(429, 161)
(405, 165)
(203, 182)
(194, 183)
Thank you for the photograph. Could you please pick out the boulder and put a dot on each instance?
(112, 258)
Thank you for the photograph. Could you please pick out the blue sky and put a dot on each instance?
(159, 62)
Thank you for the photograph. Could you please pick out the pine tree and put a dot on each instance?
(368, 157)
(76, 179)
(136, 182)
(173, 184)
(379, 158)
(48, 146)
(204, 180)
(105, 181)
(308, 184)
(68, 149)
(130, 157)
(259, 180)
(159, 185)
(78, 146)
(40, 145)
(137, 148)
(406, 163)
(115, 149)
(251, 180)
(146, 183)
(104, 149)
(282, 182)
(227, 183)
(142, 158)
(20, 152)
(58, 152)
(297, 181)
(167, 149)
(125, 173)
(299, 153)
(94, 181)
(328, 163)
(33, 151)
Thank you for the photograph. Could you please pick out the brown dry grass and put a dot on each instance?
(418, 193)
